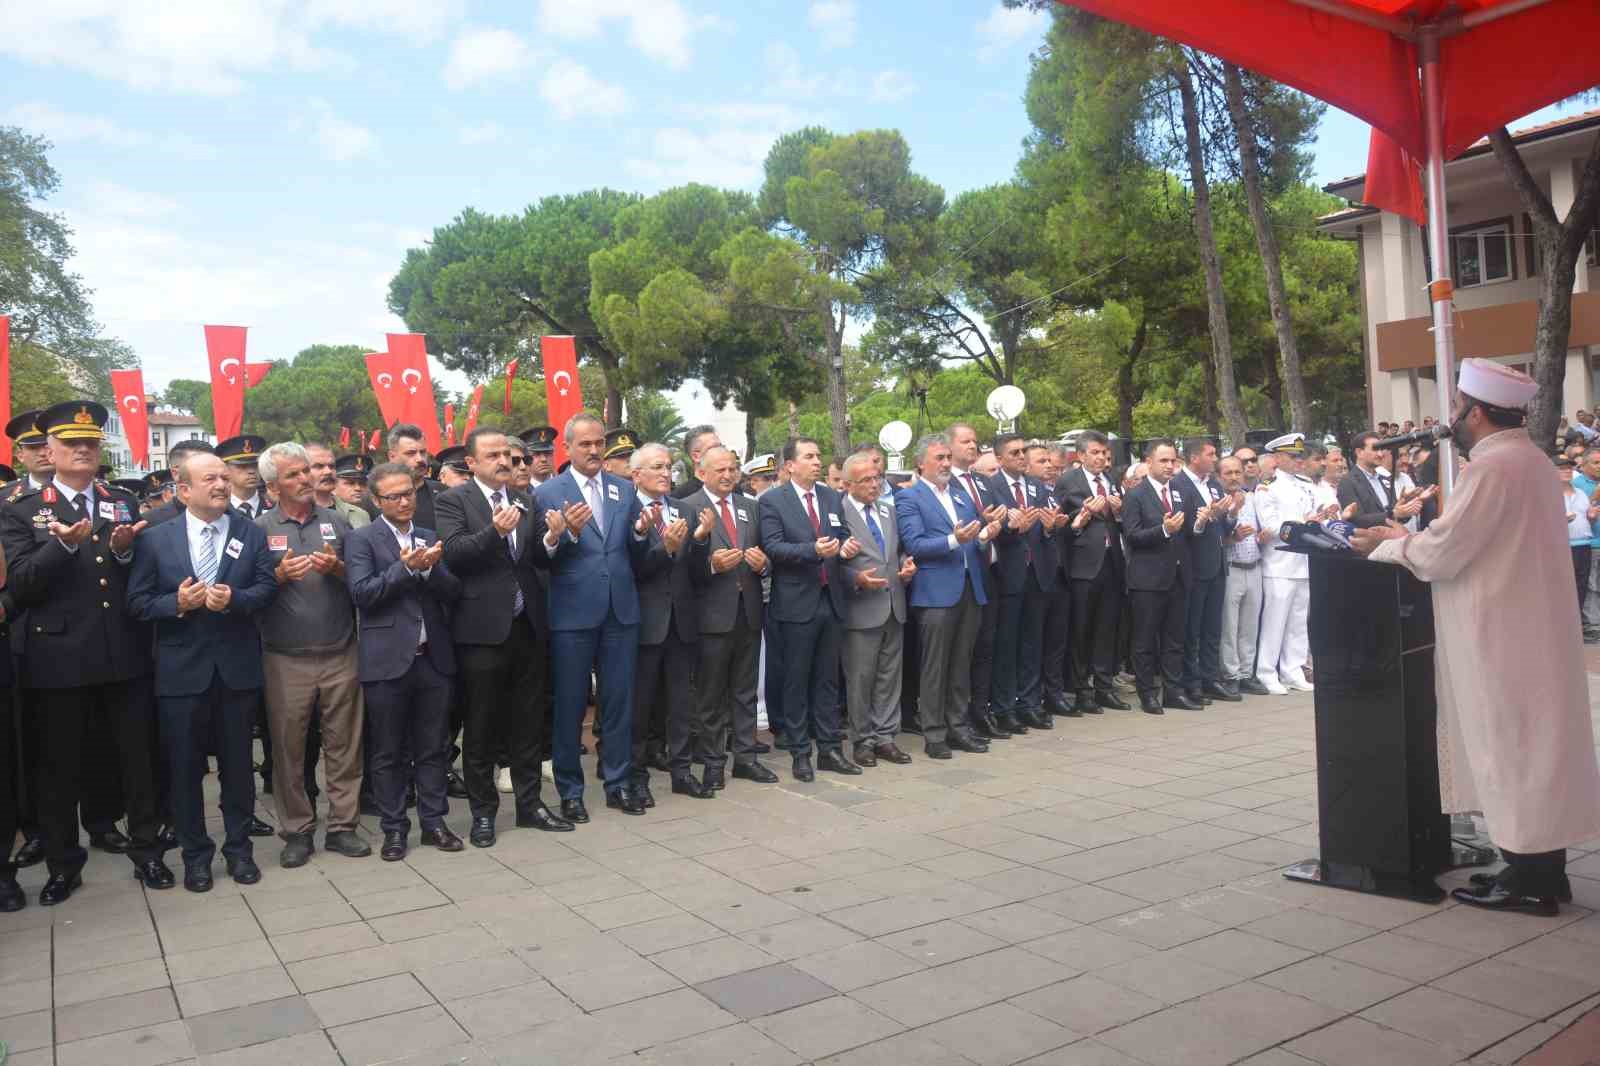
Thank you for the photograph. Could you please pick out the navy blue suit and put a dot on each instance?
(1024, 573)
(208, 673)
(594, 622)
(1202, 633)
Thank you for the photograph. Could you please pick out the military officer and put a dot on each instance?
(620, 443)
(541, 444)
(241, 454)
(350, 482)
(1285, 576)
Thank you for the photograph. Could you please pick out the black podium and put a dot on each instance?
(1371, 633)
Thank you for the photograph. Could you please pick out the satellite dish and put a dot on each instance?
(895, 436)
(1006, 403)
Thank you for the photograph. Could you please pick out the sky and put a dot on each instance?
(268, 162)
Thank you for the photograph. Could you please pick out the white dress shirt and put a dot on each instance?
(257, 505)
(505, 501)
(196, 529)
(407, 540)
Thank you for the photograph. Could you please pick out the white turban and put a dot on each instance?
(1495, 384)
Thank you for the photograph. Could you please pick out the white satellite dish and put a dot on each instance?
(895, 437)
(1005, 404)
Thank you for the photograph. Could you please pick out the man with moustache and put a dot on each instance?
(521, 470)
(350, 480)
(1241, 594)
(325, 484)
(541, 444)
(1095, 572)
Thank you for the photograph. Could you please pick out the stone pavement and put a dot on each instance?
(1105, 894)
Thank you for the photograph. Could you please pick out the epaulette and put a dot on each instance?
(1265, 483)
(17, 488)
(1307, 480)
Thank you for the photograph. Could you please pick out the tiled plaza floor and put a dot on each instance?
(1105, 894)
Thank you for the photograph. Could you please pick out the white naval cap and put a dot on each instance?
(1288, 444)
(1493, 383)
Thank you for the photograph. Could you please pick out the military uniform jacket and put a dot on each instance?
(1289, 498)
(72, 628)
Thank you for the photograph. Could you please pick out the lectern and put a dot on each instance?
(1371, 631)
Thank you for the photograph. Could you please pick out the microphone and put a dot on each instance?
(1426, 435)
(1310, 536)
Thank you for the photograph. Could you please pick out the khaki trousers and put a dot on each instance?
(297, 685)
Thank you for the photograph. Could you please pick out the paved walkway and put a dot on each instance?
(1105, 894)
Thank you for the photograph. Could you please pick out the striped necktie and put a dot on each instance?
(208, 555)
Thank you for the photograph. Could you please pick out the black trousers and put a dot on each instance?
(217, 720)
(664, 683)
(1158, 621)
(408, 738)
(9, 791)
(1541, 873)
(810, 652)
(1581, 560)
(121, 711)
(725, 694)
(1096, 614)
(1055, 662)
(99, 804)
(772, 690)
(499, 683)
(910, 674)
(1014, 677)
(1202, 631)
(983, 658)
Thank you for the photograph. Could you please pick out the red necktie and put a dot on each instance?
(727, 525)
(1166, 502)
(977, 505)
(816, 527)
(655, 513)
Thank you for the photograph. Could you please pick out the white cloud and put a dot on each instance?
(891, 85)
(661, 29)
(340, 139)
(418, 19)
(835, 20)
(723, 145)
(572, 90)
(123, 202)
(64, 127)
(479, 55)
(1005, 27)
(482, 133)
(787, 76)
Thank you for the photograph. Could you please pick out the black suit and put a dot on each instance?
(730, 625)
(989, 613)
(1370, 510)
(1202, 641)
(1024, 572)
(497, 646)
(669, 637)
(1157, 587)
(1096, 572)
(687, 489)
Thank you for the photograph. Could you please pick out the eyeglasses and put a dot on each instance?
(396, 497)
(517, 460)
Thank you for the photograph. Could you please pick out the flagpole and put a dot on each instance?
(1441, 288)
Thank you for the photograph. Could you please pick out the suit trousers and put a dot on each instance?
(910, 673)
(500, 714)
(810, 653)
(9, 782)
(1017, 638)
(725, 694)
(872, 681)
(1096, 614)
(772, 681)
(573, 652)
(217, 720)
(296, 686)
(408, 724)
(1284, 644)
(1158, 628)
(1056, 667)
(947, 636)
(122, 711)
(1241, 616)
(99, 803)
(664, 683)
(1202, 632)
(983, 659)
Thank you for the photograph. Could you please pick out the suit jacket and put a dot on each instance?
(426, 516)
(790, 544)
(925, 531)
(1206, 552)
(1155, 560)
(666, 589)
(1370, 511)
(687, 489)
(869, 609)
(394, 604)
(192, 649)
(164, 513)
(722, 596)
(591, 573)
(1013, 550)
(1085, 552)
(477, 554)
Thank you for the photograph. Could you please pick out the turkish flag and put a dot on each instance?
(254, 373)
(5, 386)
(472, 413)
(225, 350)
(1394, 179)
(372, 445)
(511, 374)
(344, 436)
(414, 385)
(128, 387)
(381, 371)
(563, 395)
(449, 425)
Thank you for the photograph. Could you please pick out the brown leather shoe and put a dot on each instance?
(441, 838)
(891, 753)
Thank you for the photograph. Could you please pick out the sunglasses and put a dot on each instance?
(517, 460)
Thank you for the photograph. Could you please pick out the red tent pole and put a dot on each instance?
(1441, 287)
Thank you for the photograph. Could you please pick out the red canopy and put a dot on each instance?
(1500, 59)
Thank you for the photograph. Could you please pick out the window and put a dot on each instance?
(155, 437)
(195, 435)
(1482, 253)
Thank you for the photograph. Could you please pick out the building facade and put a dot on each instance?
(167, 427)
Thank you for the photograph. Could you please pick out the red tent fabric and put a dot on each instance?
(1492, 73)
(1394, 179)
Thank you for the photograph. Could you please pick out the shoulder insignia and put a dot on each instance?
(48, 494)
(15, 492)
(102, 488)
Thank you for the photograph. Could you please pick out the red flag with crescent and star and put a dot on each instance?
(225, 350)
(511, 375)
(5, 385)
(128, 387)
(372, 445)
(344, 436)
(414, 385)
(472, 412)
(449, 425)
(254, 373)
(563, 395)
(384, 377)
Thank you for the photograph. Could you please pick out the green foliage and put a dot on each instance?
(308, 398)
(38, 378)
(656, 419)
(185, 393)
(48, 304)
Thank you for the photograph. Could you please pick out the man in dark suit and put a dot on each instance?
(1024, 573)
(12, 898)
(803, 534)
(1207, 520)
(596, 535)
(1095, 571)
(403, 591)
(727, 567)
(491, 542)
(408, 447)
(696, 442)
(1372, 490)
(1158, 557)
(986, 720)
(201, 580)
(85, 661)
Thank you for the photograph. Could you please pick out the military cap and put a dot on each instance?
(73, 420)
(242, 451)
(761, 466)
(455, 458)
(135, 486)
(620, 443)
(1288, 444)
(6, 473)
(158, 481)
(23, 430)
(352, 467)
(543, 438)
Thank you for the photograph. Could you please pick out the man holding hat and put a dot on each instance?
(1283, 647)
(1515, 737)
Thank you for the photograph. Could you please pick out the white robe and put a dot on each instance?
(1515, 736)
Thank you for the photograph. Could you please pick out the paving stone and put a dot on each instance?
(1308, 930)
(368, 999)
(1087, 948)
(826, 1027)
(619, 983)
(153, 1045)
(453, 980)
(1167, 978)
(1531, 993)
(331, 940)
(24, 997)
(999, 1035)
(254, 1024)
(1569, 958)
(1460, 1025)
(28, 1032)
(801, 936)
(111, 981)
(307, 1049)
(712, 959)
(492, 1015)
(912, 1047)
(1402, 956)
(1358, 1042)
(394, 1036)
(1242, 953)
(1220, 1027)
(929, 995)
(100, 1016)
(866, 962)
(1336, 983)
(235, 990)
(220, 962)
(1087, 1004)
(941, 942)
(1084, 1053)
(765, 991)
(667, 933)
(742, 1044)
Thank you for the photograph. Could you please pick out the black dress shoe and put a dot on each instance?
(574, 811)
(154, 874)
(714, 780)
(754, 770)
(543, 819)
(626, 800)
(58, 888)
(891, 753)
(863, 755)
(1149, 704)
(1036, 719)
(166, 838)
(30, 854)
(1063, 709)
(686, 785)
(297, 849)
(937, 750)
(959, 740)
(658, 761)
(642, 790)
(1219, 690)
(1110, 700)
(257, 828)
(802, 768)
(110, 841)
(197, 878)
(454, 787)
(1178, 701)
(345, 842)
(442, 839)
(1056, 703)
(394, 847)
(911, 725)
(482, 833)
(1194, 695)
(12, 898)
(1483, 883)
(835, 763)
(1014, 726)
(987, 727)
(1253, 687)
(1501, 898)
(243, 870)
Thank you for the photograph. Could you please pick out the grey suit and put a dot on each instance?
(874, 622)
(730, 634)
